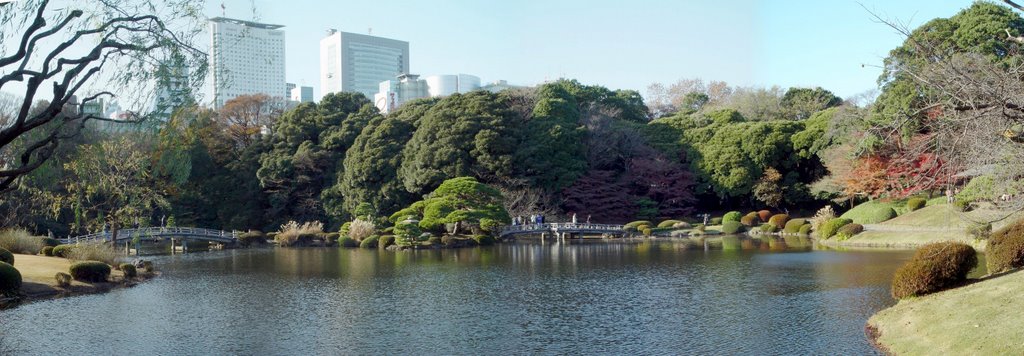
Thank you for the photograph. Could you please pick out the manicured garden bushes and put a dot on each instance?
(129, 270)
(646, 231)
(768, 228)
(62, 250)
(668, 223)
(385, 241)
(635, 225)
(20, 241)
(934, 267)
(63, 279)
(731, 227)
(348, 242)
(10, 279)
(750, 220)
(681, 225)
(831, 227)
(253, 237)
(369, 242)
(849, 230)
(805, 229)
(732, 216)
(980, 230)
(764, 215)
(6, 256)
(90, 271)
(916, 203)
(715, 221)
(793, 226)
(47, 251)
(1006, 248)
(484, 240)
(871, 212)
(779, 220)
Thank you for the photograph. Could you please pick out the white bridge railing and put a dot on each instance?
(561, 227)
(158, 232)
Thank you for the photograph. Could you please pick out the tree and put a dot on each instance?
(118, 47)
(244, 117)
(111, 185)
(460, 201)
(801, 103)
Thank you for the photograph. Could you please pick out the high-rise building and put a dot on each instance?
(245, 58)
(359, 63)
(394, 93)
(302, 94)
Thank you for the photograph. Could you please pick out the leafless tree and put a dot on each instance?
(245, 116)
(75, 53)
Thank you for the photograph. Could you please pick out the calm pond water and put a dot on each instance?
(621, 297)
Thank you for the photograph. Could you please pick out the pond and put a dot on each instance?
(581, 297)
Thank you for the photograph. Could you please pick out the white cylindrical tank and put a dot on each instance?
(468, 83)
(442, 85)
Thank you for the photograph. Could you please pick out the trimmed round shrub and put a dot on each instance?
(793, 226)
(962, 205)
(635, 225)
(62, 250)
(129, 270)
(90, 271)
(253, 237)
(330, 238)
(681, 225)
(48, 241)
(768, 228)
(369, 242)
(63, 279)
(668, 223)
(732, 216)
(831, 227)
(484, 240)
(916, 203)
(348, 242)
(732, 227)
(10, 279)
(47, 251)
(749, 220)
(385, 241)
(1005, 249)
(871, 212)
(849, 230)
(764, 215)
(934, 267)
(6, 256)
(805, 229)
(715, 221)
(779, 220)
(646, 231)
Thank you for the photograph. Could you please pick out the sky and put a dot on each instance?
(835, 44)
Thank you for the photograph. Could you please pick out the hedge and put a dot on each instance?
(832, 226)
(916, 203)
(871, 212)
(385, 241)
(252, 237)
(129, 270)
(764, 215)
(10, 279)
(668, 223)
(732, 216)
(749, 220)
(348, 242)
(731, 227)
(934, 267)
(715, 221)
(849, 230)
(63, 279)
(47, 251)
(62, 250)
(484, 240)
(1006, 248)
(779, 220)
(369, 242)
(646, 231)
(636, 224)
(90, 271)
(793, 226)
(805, 229)
(6, 256)
(49, 241)
(768, 228)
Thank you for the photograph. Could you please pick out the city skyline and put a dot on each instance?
(749, 43)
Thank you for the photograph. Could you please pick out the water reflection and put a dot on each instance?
(723, 294)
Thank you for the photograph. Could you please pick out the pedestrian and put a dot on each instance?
(573, 218)
(588, 218)
(949, 196)
(533, 219)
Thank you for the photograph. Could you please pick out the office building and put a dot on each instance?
(246, 58)
(352, 62)
(394, 93)
(301, 94)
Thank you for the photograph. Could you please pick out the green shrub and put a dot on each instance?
(764, 215)
(962, 205)
(749, 220)
(330, 238)
(779, 220)
(805, 229)
(871, 212)
(916, 203)
(646, 231)
(484, 240)
(934, 267)
(385, 241)
(63, 279)
(681, 225)
(699, 227)
(147, 266)
(715, 221)
(90, 271)
(47, 241)
(129, 270)
(980, 230)
(434, 240)
(732, 227)
(47, 251)
(668, 223)
(6, 256)
(20, 241)
(636, 224)
(253, 237)
(1006, 248)
(369, 242)
(10, 279)
(62, 250)
(732, 216)
(793, 226)
(849, 230)
(768, 228)
(348, 242)
(832, 226)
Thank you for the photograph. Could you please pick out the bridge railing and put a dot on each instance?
(128, 234)
(513, 229)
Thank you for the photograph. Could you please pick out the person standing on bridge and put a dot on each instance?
(588, 218)
(573, 218)
(533, 219)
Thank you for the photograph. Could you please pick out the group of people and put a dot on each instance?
(537, 219)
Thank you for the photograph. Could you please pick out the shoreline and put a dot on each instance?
(39, 284)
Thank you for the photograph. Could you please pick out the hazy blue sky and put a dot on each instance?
(618, 44)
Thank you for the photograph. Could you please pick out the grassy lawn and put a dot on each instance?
(983, 318)
(909, 239)
(37, 274)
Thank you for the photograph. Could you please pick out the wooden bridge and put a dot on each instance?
(563, 230)
(158, 233)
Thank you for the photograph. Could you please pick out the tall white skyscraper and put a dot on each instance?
(358, 63)
(245, 58)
